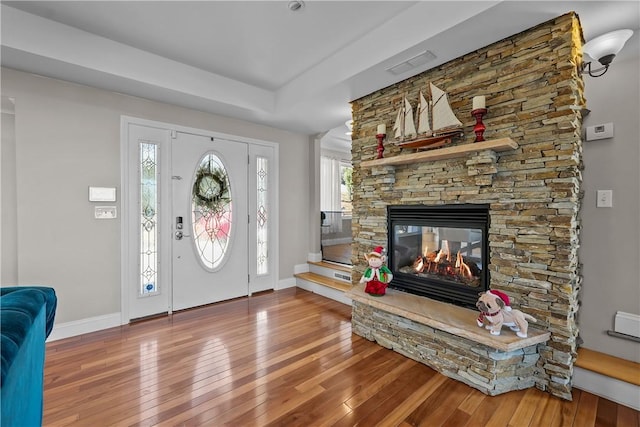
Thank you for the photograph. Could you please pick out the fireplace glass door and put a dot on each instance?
(452, 254)
(439, 251)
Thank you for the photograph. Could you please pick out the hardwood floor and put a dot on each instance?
(285, 358)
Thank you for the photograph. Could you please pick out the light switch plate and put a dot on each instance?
(605, 199)
(106, 212)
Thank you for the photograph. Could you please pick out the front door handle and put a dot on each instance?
(179, 235)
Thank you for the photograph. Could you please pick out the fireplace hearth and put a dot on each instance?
(440, 252)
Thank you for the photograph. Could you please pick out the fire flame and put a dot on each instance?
(418, 265)
(442, 264)
(463, 269)
(443, 252)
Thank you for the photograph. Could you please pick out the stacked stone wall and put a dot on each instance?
(484, 368)
(534, 95)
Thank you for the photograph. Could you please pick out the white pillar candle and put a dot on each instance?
(478, 102)
(382, 129)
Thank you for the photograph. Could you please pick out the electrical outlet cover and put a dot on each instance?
(604, 199)
(105, 212)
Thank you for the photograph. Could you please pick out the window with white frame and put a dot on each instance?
(335, 192)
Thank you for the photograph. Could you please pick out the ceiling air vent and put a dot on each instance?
(411, 63)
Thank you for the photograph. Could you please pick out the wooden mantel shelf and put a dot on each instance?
(501, 144)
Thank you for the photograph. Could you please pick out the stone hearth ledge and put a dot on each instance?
(455, 320)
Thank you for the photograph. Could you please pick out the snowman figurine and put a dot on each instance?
(377, 276)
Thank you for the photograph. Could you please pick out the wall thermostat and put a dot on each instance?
(603, 131)
(102, 194)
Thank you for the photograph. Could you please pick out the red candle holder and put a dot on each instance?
(380, 137)
(479, 127)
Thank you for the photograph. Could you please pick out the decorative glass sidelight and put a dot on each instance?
(148, 219)
(211, 209)
(261, 215)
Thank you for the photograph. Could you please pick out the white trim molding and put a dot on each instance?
(300, 268)
(621, 392)
(84, 326)
(286, 283)
(314, 257)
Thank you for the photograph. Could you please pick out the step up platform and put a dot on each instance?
(334, 271)
(608, 376)
(327, 279)
(610, 366)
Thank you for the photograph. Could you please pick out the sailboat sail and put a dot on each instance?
(423, 117)
(409, 125)
(398, 126)
(443, 117)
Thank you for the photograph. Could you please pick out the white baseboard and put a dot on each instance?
(286, 283)
(314, 257)
(301, 268)
(84, 326)
(612, 389)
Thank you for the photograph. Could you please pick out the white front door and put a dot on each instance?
(227, 241)
(209, 220)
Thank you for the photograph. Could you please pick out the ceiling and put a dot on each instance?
(262, 62)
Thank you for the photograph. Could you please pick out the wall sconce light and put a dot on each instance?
(603, 49)
(349, 125)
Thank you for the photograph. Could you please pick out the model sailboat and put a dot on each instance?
(435, 129)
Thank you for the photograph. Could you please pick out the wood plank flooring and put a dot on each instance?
(285, 358)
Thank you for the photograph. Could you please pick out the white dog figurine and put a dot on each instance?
(494, 306)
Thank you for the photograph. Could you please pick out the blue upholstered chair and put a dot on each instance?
(26, 320)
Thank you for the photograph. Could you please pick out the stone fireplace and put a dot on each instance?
(527, 176)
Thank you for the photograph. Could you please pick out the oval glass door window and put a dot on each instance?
(211, 209)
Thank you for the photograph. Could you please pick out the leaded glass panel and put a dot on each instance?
(211, 208)
(148, 218)
(262, 215)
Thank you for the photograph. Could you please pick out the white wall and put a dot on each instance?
(610, 237)
(9, 235)
(67, 139)
(315, 148)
